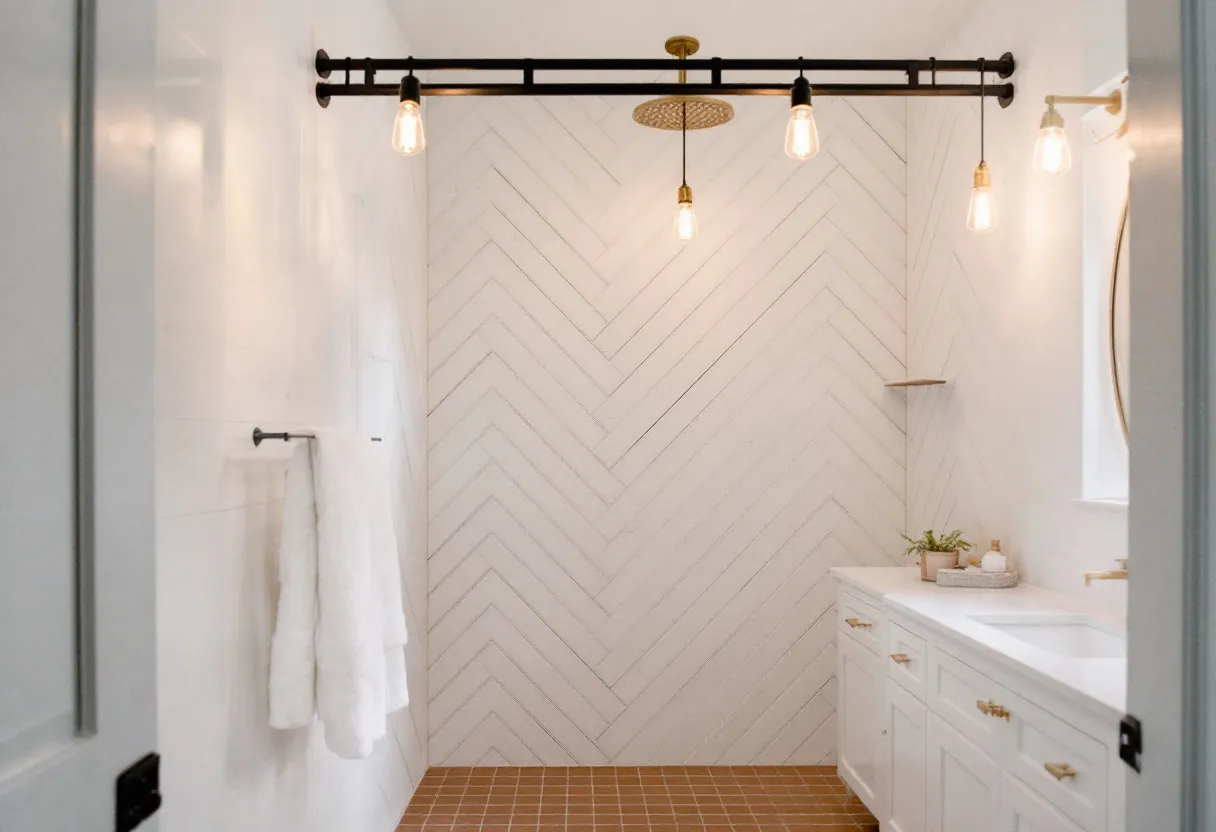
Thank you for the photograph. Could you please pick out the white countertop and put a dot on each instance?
(1101, 682)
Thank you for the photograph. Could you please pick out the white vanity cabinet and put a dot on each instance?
(861, 676)
(964, 783)
(904, 776)
(936, 735)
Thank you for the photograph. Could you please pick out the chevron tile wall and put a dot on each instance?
(951, 431)
(645, 456)
(960, 438)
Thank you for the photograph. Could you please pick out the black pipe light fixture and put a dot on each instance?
(680, 106)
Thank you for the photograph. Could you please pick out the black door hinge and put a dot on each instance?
(1131, 741)
(137, 793)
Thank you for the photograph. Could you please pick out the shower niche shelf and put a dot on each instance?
(916, 382)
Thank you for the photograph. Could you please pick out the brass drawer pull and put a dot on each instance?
(1060, 771)
(900, 658)
(857, 622)
(990, 708)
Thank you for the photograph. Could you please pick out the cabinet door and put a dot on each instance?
(860, 721)
(904, 756)
(964, 784)
(1024, 811)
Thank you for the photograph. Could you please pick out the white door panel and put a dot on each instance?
(77, 667)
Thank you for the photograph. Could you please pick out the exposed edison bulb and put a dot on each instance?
(1051, 153)
(409, 137)
(801, 134)
(981, 214)
(686, 216)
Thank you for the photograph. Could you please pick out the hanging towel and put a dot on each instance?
(357, 623)
(293, 658)
(388, 570)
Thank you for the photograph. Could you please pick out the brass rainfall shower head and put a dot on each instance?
(670, 111)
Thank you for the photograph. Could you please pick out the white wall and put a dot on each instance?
(645, 456)
(999, 452)
(290, 280)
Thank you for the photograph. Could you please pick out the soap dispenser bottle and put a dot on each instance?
(994, 561)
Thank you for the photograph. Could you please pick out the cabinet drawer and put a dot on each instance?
(1081, 765)
(969, 701)
(1024, 811)
(861, 620)
(907, 659)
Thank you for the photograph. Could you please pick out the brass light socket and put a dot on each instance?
(684, 195)
(983, 177)
(1051, 118)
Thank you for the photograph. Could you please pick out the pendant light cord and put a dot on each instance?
(982, 96)
(684, 144)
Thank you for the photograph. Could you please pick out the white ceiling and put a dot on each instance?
(637, 28)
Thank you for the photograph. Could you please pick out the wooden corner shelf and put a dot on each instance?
(916, 382)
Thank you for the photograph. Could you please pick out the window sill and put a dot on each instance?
(1103, 503)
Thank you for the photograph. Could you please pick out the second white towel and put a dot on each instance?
(338, 649)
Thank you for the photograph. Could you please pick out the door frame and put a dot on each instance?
(116, 120)
(1173, 414)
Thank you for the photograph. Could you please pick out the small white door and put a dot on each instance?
(964, 784)
(860, 721)
(77, 668)
(904, 758)
(1024, 811)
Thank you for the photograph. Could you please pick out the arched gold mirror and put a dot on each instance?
(1120, 321)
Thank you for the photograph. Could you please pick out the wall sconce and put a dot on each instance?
(1051, 153)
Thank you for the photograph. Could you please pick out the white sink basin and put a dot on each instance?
(1078, 636)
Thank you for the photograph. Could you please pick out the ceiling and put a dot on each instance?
(637, 28)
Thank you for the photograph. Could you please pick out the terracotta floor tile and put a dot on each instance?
(628, 799)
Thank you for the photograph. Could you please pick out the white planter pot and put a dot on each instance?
(930, 562)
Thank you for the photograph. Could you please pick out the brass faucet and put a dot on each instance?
(1119, 574)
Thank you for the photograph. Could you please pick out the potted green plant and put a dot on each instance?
(937, 552)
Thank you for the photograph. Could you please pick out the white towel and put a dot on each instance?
(293, 657)
(357, 624)
(388, 570)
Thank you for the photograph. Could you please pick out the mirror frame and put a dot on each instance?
(1120, 401)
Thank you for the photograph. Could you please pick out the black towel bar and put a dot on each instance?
(259, 435)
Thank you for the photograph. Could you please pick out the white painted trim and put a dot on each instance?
(1169, 650)
(1102, 504)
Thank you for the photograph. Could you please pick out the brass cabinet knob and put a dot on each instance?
(857, 622)
(1060, 771)
(900, 658)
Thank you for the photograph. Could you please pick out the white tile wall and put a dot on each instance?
(644, 456)
(998, 453)
(290, 280)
